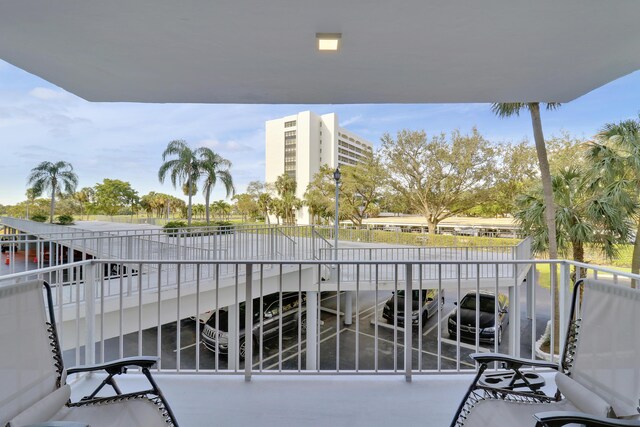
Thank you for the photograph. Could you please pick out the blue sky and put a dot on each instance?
(39, 121)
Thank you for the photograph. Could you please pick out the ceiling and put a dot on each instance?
(264, 51)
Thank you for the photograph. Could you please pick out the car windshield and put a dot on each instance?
(486, 303)
(415, 296)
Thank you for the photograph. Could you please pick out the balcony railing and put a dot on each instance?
(101, 317)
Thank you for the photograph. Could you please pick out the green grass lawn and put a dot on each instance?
(544, 280)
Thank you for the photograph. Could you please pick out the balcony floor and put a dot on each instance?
(290, 400)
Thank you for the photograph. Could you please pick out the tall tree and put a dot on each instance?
(441, 177)
(514, 109)
(615, 159)
(31, 194)
(246, 205)
(113, 195)
(287, 203)
(265, 203)
(361, 188)
(85, 197)
(214, 167)
(54, 177)
(585, 214)
(184, 169)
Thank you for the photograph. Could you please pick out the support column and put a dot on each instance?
(232, 334)
(408, 330)
(348, 308)
(530, 293)
(312, 331)
(565, 302)
(514, 322)
(90, 313)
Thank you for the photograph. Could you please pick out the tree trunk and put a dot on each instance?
(189, 208)
(432, 226)
(549, 206)
(635, 258)
(53, 203)
(266, 215)
(207, 194)
(545, 176)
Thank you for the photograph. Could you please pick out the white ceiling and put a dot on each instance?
(264, 51)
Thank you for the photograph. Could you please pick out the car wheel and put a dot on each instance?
(242, 348)
(303, 324)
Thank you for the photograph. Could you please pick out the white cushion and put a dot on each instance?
(42, 410)
(501, 413)
(581, 397)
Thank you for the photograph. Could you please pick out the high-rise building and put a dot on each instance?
(299, 144)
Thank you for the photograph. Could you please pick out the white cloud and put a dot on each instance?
(351, 120)
(47, 94)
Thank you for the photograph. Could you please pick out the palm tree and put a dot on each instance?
(31, 196)
(84, 197)
(513, 109)
(55, 177)
(222, 207)
(615, 159)
(265, 205)
(586, 214)
(184, 170)
(214, 167)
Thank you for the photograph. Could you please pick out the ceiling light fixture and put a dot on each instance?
(328, 41)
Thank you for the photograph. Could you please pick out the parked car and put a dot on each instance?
(489, 326)
(430, 301)
(6, 246)
(292, 314)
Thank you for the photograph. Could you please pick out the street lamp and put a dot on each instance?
(336, 177)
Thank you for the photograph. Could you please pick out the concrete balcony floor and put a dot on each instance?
(303, 400)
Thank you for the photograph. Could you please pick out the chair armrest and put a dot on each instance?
(59, 424)
(117, 366)
(561, 418)
(511, 362)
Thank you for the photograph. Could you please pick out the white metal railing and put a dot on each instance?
(125, 317)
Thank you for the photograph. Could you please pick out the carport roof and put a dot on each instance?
(258, 51)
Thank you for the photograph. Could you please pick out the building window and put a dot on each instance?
(290, 124)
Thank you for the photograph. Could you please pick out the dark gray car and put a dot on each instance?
(216, 336)
(430, 299)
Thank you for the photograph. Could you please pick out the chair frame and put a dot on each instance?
(113, 368)
(476, 393)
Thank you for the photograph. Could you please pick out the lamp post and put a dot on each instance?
(336, 177)
(348, 313)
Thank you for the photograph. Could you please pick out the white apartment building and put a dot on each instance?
(299, 144)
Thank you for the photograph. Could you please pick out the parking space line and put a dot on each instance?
(417, 349)
(465, 345)
(257, 364)
(185, 347)
(446, 316)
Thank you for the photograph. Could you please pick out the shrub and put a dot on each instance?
(38, 218)
(64, 220)
(198, 228)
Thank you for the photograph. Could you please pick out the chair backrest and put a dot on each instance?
(28, 370)
(607, 354)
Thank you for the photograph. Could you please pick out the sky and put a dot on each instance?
(40, 121)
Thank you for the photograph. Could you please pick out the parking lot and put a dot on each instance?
(288, 353)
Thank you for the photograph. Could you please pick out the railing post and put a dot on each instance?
(312, 330)
(248, 320)
(408, 323)
(565, 302)
(90, 313)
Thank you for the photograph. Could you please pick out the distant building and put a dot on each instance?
(299, 144)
